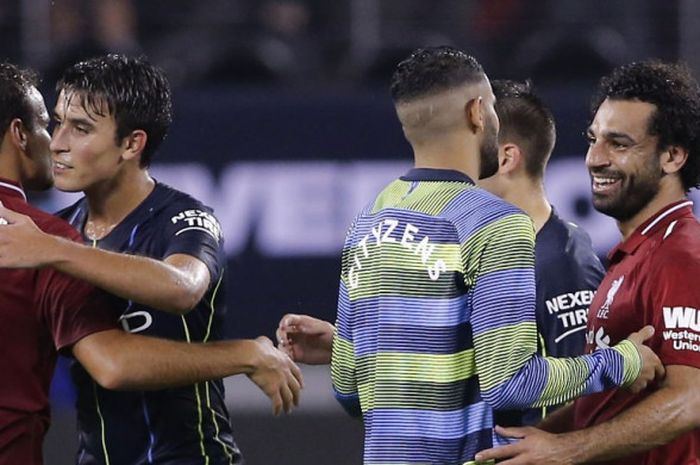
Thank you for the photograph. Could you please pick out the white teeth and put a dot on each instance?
(61, 165)
(604, 181)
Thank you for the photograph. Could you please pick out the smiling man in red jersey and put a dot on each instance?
(643, 157)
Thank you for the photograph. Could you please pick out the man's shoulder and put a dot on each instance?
(168, 200)
(680, 237)
(48, 222)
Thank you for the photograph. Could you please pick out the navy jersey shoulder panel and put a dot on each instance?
(189, 227)
(567, 273)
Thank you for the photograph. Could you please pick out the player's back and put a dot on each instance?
(410, 266)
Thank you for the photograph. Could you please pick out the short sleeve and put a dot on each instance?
(73, 309)
(675, 300)
(194, 230)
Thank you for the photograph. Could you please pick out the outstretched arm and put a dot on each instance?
(513, 376)
(663, 416)
(124, 361)
(306, 339)
(174, 285)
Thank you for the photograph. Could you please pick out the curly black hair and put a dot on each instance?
(525, 119)
(431, 70)
(135, 93)
(676, 95)
(15, 83)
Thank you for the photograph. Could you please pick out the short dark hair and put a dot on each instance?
(676, 95)
(135, 92)
(15, 83)
(428, 71)
(525, 119)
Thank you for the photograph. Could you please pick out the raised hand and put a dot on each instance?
(306, 339)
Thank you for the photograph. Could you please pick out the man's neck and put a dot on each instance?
(661, 200)
(111, 201)
(530, 198)
(446, 157)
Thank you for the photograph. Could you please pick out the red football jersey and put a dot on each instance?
(42, 312)
(652, 280)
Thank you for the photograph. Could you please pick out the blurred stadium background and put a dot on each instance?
(285, 126)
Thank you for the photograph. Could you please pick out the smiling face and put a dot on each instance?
(623, 159)
(84, 147)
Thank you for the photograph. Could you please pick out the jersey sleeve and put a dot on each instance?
(194, 230)
(73, 309)
(343, 373)
(675, 303)
(511, 374)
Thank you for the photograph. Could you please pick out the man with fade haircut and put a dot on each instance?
(567, 270)
(158, 250)
(45, 311)
(436, 324)
(643, 158)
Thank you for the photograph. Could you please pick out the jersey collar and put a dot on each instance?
(659, 222)
(435, 174)
(12, 188)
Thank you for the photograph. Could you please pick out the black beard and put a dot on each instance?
(629, 201)
(488, 160)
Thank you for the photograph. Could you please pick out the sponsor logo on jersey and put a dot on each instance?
(598, 338)
(603, 311)
(136, 322)
(571, 309)
(682, 327)
(197, 220)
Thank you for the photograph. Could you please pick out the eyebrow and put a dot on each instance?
(613, 135)
(75, 120)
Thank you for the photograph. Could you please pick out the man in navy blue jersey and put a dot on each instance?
(567, 269)
(157, 249)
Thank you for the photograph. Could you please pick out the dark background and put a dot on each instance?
(284, 125)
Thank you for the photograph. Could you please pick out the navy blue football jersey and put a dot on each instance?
(567, 274)
(179, 426)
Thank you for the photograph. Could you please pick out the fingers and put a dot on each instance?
(642, 335)
(277, 404)
(288, 396)
(514, 432)
(495, 453)
(659, 371)
(296, 372)
(10, 216)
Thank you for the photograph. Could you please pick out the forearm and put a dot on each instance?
(147, 281)
(655, 421)
(527, 380)
(123, 361)
(559, 421)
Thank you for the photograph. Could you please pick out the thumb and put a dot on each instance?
(642, 335)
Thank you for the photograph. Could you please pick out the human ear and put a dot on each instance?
(509, 157)
(18, 132)
(475, 114)
(134, 143)
(673, 159)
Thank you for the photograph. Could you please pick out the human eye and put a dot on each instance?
(590, 138)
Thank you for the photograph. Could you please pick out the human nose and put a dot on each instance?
(596, 156)
(58, 140)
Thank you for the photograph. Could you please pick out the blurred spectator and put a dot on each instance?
(84, 28)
